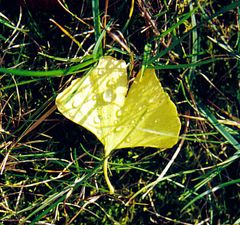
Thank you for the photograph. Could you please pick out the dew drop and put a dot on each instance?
(133, 122)
(148, 111)
(77, 101)
(117, 129)
(97, 120)
(123, 64)
(119, 113)
(151, 100)
(72, 113)
(99, 132)
(100, 72)
(78, 118)
(128, 140)
(110, 83)
(108, 95)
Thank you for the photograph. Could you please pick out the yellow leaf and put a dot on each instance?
(144, 115)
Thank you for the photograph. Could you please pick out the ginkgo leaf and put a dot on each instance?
(144, 115)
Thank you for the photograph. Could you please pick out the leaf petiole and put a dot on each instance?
(105, 172)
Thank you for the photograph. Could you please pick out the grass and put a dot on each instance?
(51, 169)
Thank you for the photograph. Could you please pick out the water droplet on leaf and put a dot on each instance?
(72, 113)
(119, 113)
(77, 101)
(108, 95)
(151, 100)
(97, 119)
(128, 140)
(100, 71)
(110, 83)
(117, 129)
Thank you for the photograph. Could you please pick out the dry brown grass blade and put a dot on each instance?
(38, 122)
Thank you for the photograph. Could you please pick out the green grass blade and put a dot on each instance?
(187, 16)
(97, 25)
(219, 127)
(195, 44)
(238, 62)
(51, 73)
(212, 190)
(19, 84)
(184, 66)
(181, 21)
(12, 26)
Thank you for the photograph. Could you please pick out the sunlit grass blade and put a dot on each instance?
(66, 32)
(7, 23)
(129, 16)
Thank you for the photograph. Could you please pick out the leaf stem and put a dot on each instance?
(105, 172)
